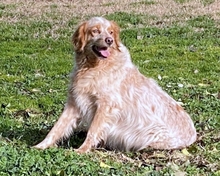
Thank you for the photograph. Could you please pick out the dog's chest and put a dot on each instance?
(94, 87)
(97, 82)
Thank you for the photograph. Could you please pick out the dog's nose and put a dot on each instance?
(109, 40)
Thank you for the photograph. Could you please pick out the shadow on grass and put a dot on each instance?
(31, 136)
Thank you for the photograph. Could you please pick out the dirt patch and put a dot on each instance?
(166, 11)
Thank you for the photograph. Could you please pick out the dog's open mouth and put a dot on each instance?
(101, 51)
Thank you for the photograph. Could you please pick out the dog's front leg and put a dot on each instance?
(62, 128)
(97, 132)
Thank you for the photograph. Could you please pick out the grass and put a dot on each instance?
(35, 62)
(204, 2)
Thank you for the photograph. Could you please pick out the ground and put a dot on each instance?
(176, 42)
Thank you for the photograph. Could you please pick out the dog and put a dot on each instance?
(113, 102)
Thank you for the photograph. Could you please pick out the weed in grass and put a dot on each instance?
(181, 1)
(145, 2)
(124, 19)
(204, 2)
(207, 2)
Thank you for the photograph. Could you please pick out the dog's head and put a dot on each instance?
(97, 37)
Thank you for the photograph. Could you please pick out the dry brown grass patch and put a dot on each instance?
(166, 11)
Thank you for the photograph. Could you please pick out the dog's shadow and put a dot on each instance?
(31, 136)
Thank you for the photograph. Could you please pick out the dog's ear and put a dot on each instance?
(79, 37)
(116, 33)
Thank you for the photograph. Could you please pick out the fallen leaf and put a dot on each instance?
(140, 37)
(185, 152)
(179, 173)
(39, 75)
(180, 85)
(102, 164)
(203, 85)
(35, 90)
(159, 77)
(146, 61)
(196, 71)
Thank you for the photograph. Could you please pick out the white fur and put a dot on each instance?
(114, 102)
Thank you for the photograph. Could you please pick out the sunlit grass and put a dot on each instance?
(36, 59)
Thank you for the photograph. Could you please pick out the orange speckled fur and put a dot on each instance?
(110, 99)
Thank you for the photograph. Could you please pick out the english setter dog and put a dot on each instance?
(109, 98)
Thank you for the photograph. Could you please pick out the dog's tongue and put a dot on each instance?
(104, 53)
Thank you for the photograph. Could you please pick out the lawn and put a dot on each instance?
(176, 42)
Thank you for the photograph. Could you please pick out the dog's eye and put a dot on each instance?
(95, 31)
(111, 32)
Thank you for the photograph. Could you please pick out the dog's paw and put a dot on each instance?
(38, 147)
(43, 146)
(82, 150)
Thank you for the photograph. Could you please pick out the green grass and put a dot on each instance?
(35, 62)
(144, 2)
(204, 2)
(125, 19)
